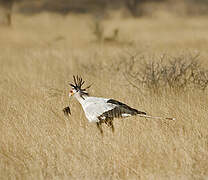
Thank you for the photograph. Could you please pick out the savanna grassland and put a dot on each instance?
(38, 56)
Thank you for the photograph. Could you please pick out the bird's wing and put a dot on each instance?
(120, 110)
(95, 107)
(124, 107)
(101, 109)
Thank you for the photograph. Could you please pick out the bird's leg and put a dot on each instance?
(99, 127)
(111, 125)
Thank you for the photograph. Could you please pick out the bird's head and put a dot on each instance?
(77, 89)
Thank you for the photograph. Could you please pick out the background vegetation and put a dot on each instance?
(122, 56)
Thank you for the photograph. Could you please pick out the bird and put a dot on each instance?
(101, 110)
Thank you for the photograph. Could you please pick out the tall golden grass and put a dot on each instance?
(38, 57)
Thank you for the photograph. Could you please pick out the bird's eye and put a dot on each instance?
(71, 91)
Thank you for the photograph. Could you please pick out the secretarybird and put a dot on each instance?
(102, 110)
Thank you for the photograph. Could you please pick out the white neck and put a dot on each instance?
(80, 99)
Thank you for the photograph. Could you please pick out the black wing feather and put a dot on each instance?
(118, 111)
(125, 108)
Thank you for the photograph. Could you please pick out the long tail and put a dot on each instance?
(155, 117)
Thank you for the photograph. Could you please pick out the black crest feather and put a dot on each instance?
(78, 83)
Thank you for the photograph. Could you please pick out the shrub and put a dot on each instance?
(97, 30)
(177, 73)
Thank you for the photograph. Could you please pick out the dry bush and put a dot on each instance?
(179, 73)
(196, 7)
(97, 30)
(6, 12)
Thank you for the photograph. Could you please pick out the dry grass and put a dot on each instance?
(38, 57)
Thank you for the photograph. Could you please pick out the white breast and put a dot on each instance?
(94, 107)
